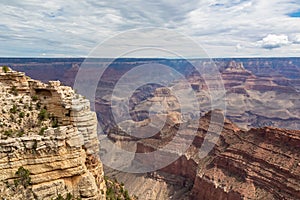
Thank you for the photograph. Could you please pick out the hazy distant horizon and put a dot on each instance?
(169, 58)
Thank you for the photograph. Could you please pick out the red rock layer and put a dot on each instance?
(260, 163)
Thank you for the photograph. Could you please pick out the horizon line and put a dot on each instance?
(166, 58)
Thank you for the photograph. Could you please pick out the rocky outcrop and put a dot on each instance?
(60, 146)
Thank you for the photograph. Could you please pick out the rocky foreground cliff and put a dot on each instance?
(262, 163)
(48, 146)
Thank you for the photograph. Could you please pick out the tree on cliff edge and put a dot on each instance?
(5, 69)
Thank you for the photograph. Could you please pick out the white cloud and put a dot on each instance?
(238, 47)
(295, 38)
(73, 28)
(272, 41)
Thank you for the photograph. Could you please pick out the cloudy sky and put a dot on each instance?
(224, 28)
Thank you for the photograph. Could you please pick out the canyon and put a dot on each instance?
(256, 88)
(256, 155)
(262, 163)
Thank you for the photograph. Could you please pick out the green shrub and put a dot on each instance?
(13, 109)
(115, 190)
(110, 192)
(126, 195)
(23, 177)
(14, 90)
(20, 133)
(5, 69)
(43, 130)
(8, 133)
(21, 114)
(43, 115)
(34, 98)
(69, 196)
(54, 123)
(59, 197)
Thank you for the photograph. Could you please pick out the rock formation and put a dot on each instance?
(255, 101)
(48, 131)
(262, 163)
(260, 91)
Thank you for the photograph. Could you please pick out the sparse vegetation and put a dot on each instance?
(35, 98)
(21, 114)
(116, 191)
(14, 91)
(43, 130)
(13, 109)
(21, 118)
(54, 122)
(20, 133)
(5, 69)
(12, 117)
(23, 177)
(8, 133)
(43, 115)
(24, 112)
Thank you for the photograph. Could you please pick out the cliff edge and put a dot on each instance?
(48, 146)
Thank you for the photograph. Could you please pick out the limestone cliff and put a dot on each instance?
(48, 131)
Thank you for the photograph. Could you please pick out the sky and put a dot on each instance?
(223, 28)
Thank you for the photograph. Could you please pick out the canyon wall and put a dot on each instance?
(49, 131)
(262, 163)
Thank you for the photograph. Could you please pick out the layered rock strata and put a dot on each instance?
(260, 91)
(62, 159)
(262, 163)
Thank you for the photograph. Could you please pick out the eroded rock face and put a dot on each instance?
(252, 100)
(61, 159)
(262, 163)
